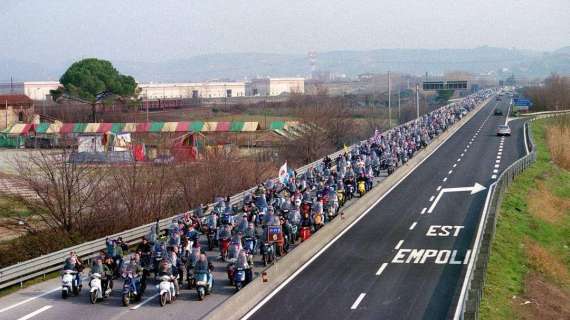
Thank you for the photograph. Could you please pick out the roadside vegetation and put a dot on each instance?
(528, 276)
(553, 95)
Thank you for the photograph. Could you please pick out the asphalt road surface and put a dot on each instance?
(406, 259)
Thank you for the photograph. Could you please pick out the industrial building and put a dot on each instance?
(192, 90)
(35, 90)
(275, 86)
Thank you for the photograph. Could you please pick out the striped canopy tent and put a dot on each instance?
(19, 129)
(131, 127)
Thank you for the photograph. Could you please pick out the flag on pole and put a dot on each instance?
(283, 173)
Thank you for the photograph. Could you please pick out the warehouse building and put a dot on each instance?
(35, 90)
(275, 86)
(192, 90)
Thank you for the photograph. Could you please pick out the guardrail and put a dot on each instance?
(40, 266)
(472, 290)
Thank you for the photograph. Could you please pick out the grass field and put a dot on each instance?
(528, 274)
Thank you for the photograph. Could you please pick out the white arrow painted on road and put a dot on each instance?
(474, 189)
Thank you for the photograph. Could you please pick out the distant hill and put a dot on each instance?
(248, 65)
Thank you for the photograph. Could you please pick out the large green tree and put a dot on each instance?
(91, 78)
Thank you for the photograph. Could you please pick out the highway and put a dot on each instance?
(376, 270)
(407, 257)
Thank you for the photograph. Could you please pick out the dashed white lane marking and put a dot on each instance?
(35, 313)
(496, 166)
(413, 225)
(462, 154)
(494, 176)
(497, 161)
(450, 172)
(438, 188)
(382, 267)
(500, 153)
(358, 300)
(424, 210)
(498, 157)
(431, 198)
(400, 243)
(464, 150)
(455, 165)
(444, 179)
(144, 302)
(459, 159)
(28, 300)
(495, 171)
(467, 147)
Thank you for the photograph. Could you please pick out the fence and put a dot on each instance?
(40, 266)
(472, 290)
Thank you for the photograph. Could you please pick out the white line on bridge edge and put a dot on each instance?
(400, 243)
(35, 313)
(424, 210)
(358, 300)
(144, 302)
(382, 267)
(413, 225)
(28, 300)
(431, 198)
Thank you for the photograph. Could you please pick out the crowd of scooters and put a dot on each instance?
(266, 222)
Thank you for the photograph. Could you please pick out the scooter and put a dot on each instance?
(268, 253)
(341, 197)
(239, 278)
(211, 234)
(361, 187)
(249, 246)
(224, 245)
(167, 290)
(131, 292)
(350, 193)
(305, 233)
(96, 290)
(203, 286)
(70, 283)
(191, 278)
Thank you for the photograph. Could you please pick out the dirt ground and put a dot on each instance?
(542, 300)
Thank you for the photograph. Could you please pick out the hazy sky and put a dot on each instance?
(154, 30)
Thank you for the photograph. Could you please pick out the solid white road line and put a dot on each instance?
(431, 198)
(35, 313)
(494, 176)
(524, 137)
(144, 302)
(413, 225)
(400, 243)
(28, 300)
(444, 179)
(358, 300)
(424, 210)
(438, 188)
(382, 267)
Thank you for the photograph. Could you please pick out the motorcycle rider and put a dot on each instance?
(205, 266)
(241, 263)
(165, 269)
(72, 262)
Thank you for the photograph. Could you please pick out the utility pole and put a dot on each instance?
(389, 102)
(417, 100)
(399, 93)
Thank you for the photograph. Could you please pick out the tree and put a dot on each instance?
(93, 80)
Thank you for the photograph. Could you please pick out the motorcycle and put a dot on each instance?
(131, 291)
(305, 233)
(96, 289)
(203, 285)
(350, 192)
(70, 283)
(268, 253)
(361, 187)
(191, 278)
(167, 290)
